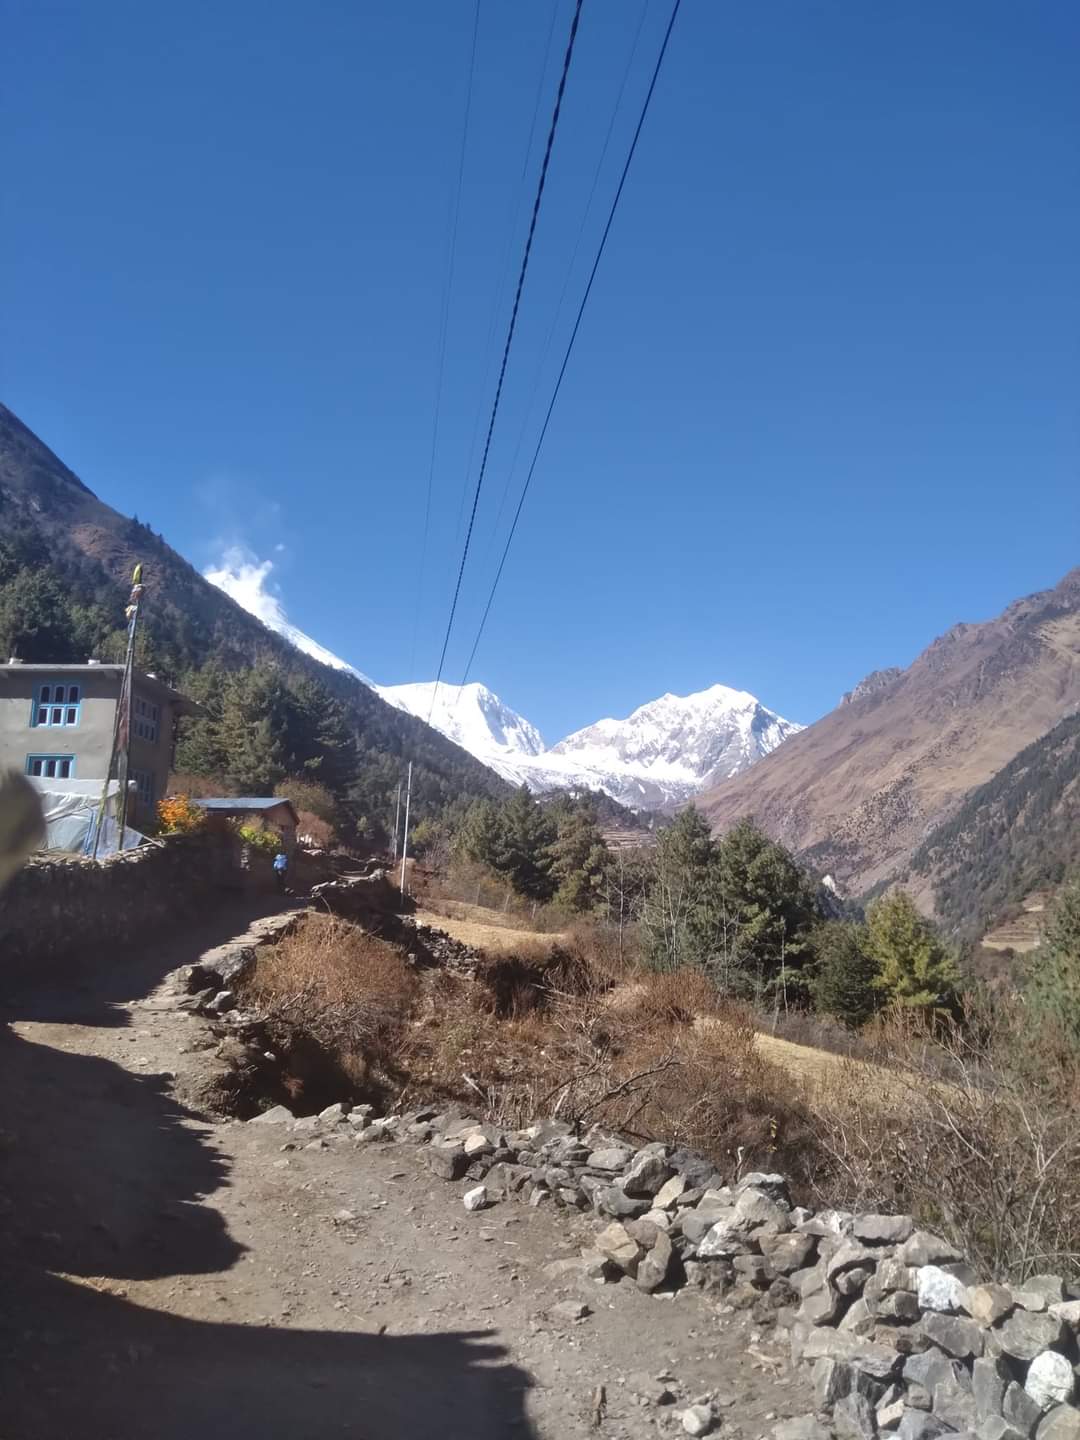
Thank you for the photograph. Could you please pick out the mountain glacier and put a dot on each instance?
(661, 754)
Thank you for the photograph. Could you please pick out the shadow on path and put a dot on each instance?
(100, 1172)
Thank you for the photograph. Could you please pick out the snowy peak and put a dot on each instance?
(472, 717)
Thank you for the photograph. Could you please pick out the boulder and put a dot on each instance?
(850, 1256)
(989, 1379)
(614, 1159)
(1068, 1312)
(720, 1242)
(996, 1427)
(918, 1425)
(755, 1210)
(1050, 1380)
(893, 1274)
(670, 1192)
(821, 1307)
(477, 1144)
(958, 1337)
(953, 1401)
(889, 1415)
(800, 1427)
(1062, 1423)
(988, 1303)
(938, 1290)
(448, 1161)
(647, 1174)
(696, 1224)
(656, 1267)
(277, 1115)
(854, 1418)
(698, 1419)
(774, 1186)
(1020, 1409)
(859, 1320)
(613, 1201)
(924, 1248)
(619, 1247)
(853, 1281)
(1050, 1287)
(898, 1308)
(476, 1199)
(788, 1253)
(569, 1310)
(882, 1229)
(1024, 1335)
(827, 1222)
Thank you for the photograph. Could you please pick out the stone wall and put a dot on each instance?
(60, 908)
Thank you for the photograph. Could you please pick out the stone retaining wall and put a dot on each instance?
(62, 907)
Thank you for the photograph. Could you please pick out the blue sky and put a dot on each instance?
(825, 399)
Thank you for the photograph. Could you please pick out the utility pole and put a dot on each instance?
(397, 819)
(405, 835)
(121, 745)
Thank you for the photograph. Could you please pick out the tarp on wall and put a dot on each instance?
(70, 807)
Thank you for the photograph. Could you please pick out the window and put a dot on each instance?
(51, 767)
(144, 786)
(147, 719)
(56, 703)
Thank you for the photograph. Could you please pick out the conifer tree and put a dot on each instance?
(844, 972)
(915, 968)
(1053, 988)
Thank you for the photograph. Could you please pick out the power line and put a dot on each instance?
(509, 339)
(447, 291)
(573, 335)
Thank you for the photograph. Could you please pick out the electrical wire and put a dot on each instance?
(444, 325)
(509, 340)
(573, 336)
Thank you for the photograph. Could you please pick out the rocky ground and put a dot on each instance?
(168, 1275)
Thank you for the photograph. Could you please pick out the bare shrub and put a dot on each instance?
(977, 1133)
(330, 987)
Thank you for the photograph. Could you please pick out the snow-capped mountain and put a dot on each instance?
(473, 718)
(661, 754)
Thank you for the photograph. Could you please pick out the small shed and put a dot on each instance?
(274, 811)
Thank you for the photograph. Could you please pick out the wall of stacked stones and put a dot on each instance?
(63, 908)
(904, 1338)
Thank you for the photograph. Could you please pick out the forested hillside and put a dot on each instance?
(272, 712)
(1017, 833)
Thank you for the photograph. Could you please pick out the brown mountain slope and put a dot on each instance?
(861, 788)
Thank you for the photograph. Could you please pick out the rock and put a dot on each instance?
(1020, 1409)
(900, 1308)
(1033, 1300)
(801, 1427)
(788, 1253)
(859, 1320)
(505, 1178)
(928, 1369)
(988, 1381)
(960, 1338)
(643, 1231)
(670, 1192)
(449, 1162)
(938, 1290)
(659, 1219)
(699, 1172)
(918, 1425)
(619, 1247)
(1024, 1335)
(1068, 1312)
(1049, 1287)
(890, 1415)
(852, 1282)
(882, 1229)
(988, 1303)
(720, 1242)
(854, 1417)
(647, 1174)
(924, 1248)
(360, 1114)
(477, 1144)
(892, 1274)
(569, 1310)
(822, 1307)
(306, 1123)
(614, 1201)
(774, 1186)
(850, 1256)
(655, 1268)
(1050, 1380)
(953, 1401)
(476, 1199)
(696, 1224)
(222, 1003)
(996, 1427)
(1063, 1423)
(614, 1159)
(755, 1210)
(827, 1222)
(277, 1115)
(333, 1113)
(754, 1269)
(697, 1419)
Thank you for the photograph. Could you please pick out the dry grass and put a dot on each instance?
(481, 928)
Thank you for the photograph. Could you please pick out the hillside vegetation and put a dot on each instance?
(273, 712)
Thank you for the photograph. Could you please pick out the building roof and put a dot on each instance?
(237, 804)
(150, 683)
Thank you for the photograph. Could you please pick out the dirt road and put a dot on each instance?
(164, 1275)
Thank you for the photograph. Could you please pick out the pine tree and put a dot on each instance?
(523, 851)
(1053, 988)
(579, 859)
(675, 913)
(915, 968)
(844, 972)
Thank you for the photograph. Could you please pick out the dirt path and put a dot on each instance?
(166, 1276)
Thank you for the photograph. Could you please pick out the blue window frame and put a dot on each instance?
(144, 786)
(51, 767)
(57, 704)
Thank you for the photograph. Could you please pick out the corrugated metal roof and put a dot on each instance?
(244, 802)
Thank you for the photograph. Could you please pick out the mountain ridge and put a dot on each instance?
(857, 791)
